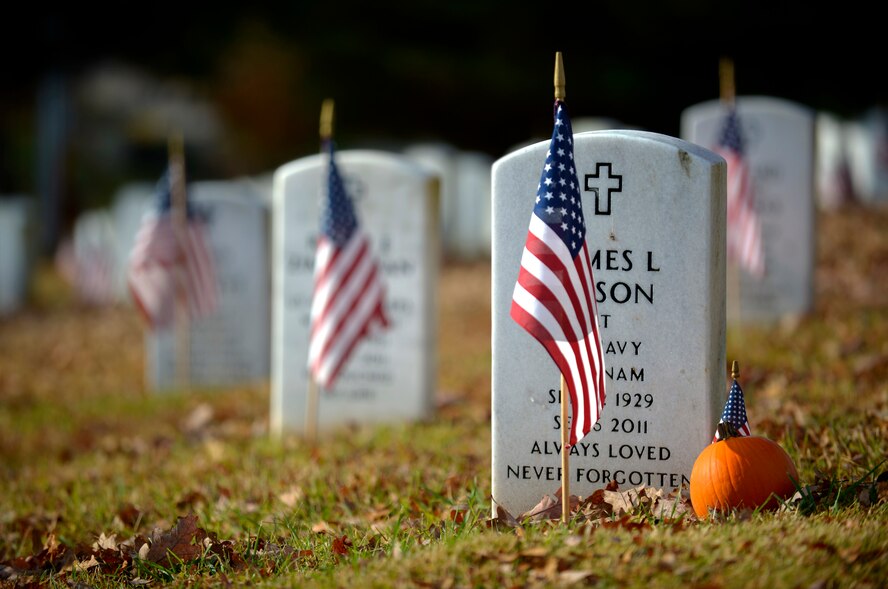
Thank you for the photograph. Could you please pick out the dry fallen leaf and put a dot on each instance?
(178, 543)
(550, 507)
(571, 577)
(108, 542)
(293, 496)
(504, 517)
(322, 527)
(341, 545)
(85, 566)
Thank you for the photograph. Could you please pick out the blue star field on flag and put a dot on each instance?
(338, 222)
(558, 201)
(163, 194)
(735, 411)
(730, 133)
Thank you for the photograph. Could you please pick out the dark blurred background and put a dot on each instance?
(89, 96)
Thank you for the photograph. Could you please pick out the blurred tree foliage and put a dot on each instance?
(476, 74)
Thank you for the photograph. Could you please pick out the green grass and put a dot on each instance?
(96, 470)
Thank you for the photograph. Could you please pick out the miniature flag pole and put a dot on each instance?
(727, 93)
(179, 217)
(565, 455)
(554, 298)
(311, 399)
(560, 94)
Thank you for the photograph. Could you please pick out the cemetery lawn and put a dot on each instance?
(106, 485)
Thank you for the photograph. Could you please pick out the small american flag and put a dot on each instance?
(163, 262)
(734, 412)
(744, 232)
(554, 297)
(93, 278)
(348, 300)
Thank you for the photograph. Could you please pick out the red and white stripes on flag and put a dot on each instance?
(348, 299)
(163, 264)
(93, 279)
(744, 234)
(347, 305)
(554, 296)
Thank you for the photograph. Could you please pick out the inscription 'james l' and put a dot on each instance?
(622, 292)
(596, 183)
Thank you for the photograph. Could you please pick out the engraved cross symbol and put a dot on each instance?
(596, 183)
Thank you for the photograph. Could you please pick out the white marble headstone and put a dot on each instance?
(867, 138)
(16, 255)
(129, 205)
(230, 347)
(779, 144)
(655, 213)
(391, 376)
(440, 159)
(831, 161)
(95, 257)
(471, 231)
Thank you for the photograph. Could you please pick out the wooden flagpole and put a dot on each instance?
(565, 455)
(179, 218)
(560, 94)
(312, 396)
(727, 93)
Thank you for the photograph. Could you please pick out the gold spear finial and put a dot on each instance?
(560, 93)
(327, 119)
(726, 80)
(735, 370)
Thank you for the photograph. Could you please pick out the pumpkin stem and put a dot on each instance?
(726, 430)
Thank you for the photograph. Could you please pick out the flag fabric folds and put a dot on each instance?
(163, 263)
(734, 412)
(744, 232)
(554, 297)
(348, 303)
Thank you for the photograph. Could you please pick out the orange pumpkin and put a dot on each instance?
(741, 472)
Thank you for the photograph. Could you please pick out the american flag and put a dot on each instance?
(744, 232)
(348, 302)
(734, 412)
(162, 262)
(93, 278)
(554, 297)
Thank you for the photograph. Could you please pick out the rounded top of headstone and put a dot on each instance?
(634, 139)
(755, 102)
(351, 157)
